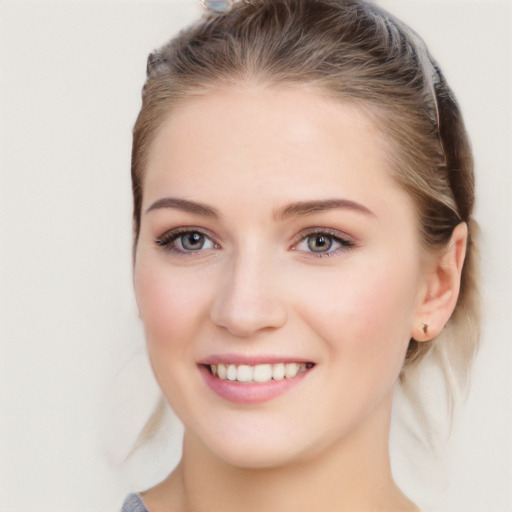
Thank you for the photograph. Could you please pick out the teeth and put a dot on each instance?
(231, 373)
(244, 373)
(278, 371)
(221, 371)
(290, 370)
(260, 372)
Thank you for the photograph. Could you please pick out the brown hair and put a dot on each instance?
(355, 52)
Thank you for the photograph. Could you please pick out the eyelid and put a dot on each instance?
(344, 239)
(166, 239)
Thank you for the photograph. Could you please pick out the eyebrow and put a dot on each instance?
(302, 208)
(297, 209)
(184, 205)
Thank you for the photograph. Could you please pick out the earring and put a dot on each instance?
(424, 328)
(217, 6)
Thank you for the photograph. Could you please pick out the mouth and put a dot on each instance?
(260, 373)
(258, 383)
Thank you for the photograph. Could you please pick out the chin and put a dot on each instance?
(256, 457)
(262, 448)
(246, 451)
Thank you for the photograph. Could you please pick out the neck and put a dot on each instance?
(353, 475)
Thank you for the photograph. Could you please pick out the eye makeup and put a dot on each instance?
(323, 242)
(317, 242)
(186, 240)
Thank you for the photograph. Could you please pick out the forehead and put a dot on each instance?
(274, 142)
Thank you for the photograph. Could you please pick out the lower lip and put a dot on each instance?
(249, 392)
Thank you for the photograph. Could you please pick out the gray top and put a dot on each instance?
(133, 503)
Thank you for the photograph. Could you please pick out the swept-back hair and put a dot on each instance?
(352, 51)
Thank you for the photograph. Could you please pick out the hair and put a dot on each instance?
(351, 51)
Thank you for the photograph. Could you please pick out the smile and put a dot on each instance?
(256, 383)
(258, 373)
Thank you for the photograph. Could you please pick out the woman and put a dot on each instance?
(303, 191)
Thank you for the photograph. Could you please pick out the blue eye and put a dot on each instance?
(192, 241)
(323, 243)
(186, 241)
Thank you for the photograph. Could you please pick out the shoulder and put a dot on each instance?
(133, 503)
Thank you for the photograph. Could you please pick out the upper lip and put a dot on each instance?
(251, 360)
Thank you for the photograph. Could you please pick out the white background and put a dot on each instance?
(70, 79)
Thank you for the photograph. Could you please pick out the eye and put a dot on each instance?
(323, 243)
(320, 243)
(186, 241)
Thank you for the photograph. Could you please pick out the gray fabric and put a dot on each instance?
(133, 503)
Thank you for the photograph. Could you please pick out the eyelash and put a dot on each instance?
(168, 239)
(333, 235)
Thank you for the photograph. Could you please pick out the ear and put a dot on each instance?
(442, 288)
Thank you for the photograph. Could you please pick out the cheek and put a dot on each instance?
(169, 302)
(364, 312)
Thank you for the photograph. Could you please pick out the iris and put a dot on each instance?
(319, 243)
(192, 241)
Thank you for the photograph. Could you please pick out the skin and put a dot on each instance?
(256, 288)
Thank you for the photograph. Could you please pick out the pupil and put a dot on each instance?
(320, 243)
(193, 241)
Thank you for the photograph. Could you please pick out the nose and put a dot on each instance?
(248, 300)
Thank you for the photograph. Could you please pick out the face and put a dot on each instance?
(278, 272)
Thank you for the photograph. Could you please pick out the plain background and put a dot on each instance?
(70, 79)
